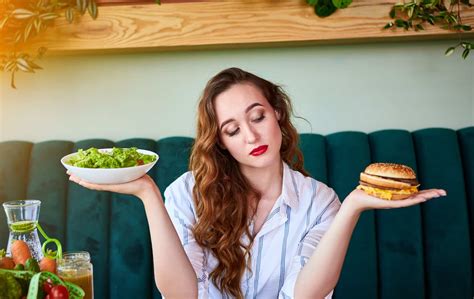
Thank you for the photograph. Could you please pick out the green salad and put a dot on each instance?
(117, 158)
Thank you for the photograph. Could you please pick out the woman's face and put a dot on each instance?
(248, 126)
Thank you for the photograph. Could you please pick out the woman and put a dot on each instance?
(247, 221)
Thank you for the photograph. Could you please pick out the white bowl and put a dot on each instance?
(109, 175)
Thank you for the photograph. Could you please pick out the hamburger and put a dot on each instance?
(388, 181)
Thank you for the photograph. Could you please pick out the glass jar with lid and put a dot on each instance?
(76, 267)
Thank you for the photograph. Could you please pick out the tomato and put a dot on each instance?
(59, 292)
(47, 286)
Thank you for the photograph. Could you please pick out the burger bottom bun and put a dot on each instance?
(382, 182)
(400, 196)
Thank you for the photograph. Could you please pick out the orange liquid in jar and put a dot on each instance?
(85, 282)
(76, 268)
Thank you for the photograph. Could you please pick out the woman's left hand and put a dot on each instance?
(361, 201)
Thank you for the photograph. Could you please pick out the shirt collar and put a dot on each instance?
(289, 192)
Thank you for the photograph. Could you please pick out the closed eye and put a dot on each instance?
(233, 132)
(257, 120)
(236, 131)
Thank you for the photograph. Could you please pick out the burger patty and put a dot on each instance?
(412, 182)
(373, 186)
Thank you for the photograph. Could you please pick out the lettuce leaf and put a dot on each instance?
(117, 158)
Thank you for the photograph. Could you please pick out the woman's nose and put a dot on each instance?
(251, 135)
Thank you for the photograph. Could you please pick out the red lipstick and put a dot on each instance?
(259, 150)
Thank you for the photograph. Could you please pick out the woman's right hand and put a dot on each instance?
(139, 187)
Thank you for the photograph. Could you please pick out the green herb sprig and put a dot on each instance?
(416, 14)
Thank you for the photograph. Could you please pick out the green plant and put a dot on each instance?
(324, 8)
(417, 13)
(21, 21)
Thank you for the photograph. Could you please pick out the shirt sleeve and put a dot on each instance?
(178, 203)
(328, 209)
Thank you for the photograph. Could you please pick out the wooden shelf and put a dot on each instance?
(224, 24)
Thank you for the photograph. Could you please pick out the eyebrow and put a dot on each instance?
(246, 110)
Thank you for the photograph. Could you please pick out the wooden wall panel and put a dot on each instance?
(224, 24)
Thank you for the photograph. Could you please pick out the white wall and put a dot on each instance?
(363, 87)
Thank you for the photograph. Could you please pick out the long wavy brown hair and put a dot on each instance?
(224, 199)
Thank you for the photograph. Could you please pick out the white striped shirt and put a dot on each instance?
(290, 234)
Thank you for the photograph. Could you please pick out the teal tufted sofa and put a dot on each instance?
(420, 252)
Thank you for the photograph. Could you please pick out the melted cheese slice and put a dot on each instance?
(386, 194)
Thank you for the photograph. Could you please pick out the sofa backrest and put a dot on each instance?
(419, 252)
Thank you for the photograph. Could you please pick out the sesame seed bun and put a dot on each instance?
(391, 170)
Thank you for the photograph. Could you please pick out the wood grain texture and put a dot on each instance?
(224, 24)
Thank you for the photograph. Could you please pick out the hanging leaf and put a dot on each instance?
(41, 51)
(18, 36)
(325, 8)
(465, 53)
(21, 13)
(37, 24)
(419, 27)
(341, 3)
(86, 5)
(34, 65)
(9, 66)
(401, 23)
(392, 13)
(312, 2)
(23, 68)
(389, 25)
(3, 22)
(81, 6)
(27, 31)
(93, 9)
(23, 65)
(69, 14)
(449, 51)
(48, 16)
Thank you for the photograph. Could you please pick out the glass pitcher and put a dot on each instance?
(22, 219)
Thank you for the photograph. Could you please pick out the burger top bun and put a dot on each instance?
(391, 170)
